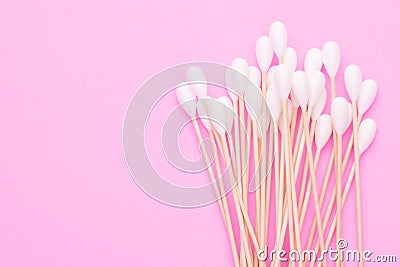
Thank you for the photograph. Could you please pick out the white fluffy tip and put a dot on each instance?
(331, 57)
(270, 76)
(341, 115)
(289, 112)
(202, 104)
(253, 100)
(367, 95)
(230, 85)
(323, 130)
(301, 87)
(240, 72)
(186, 99)
(278, 34)
(319, 106)
(274, 103)
(290, 58)
(221, 114)
(264, 52)
(317, 85)
(366, 134)
(313, 61)
(283, 80)
(229, 113)
(196, 76)
(353, 81)
(255, 75)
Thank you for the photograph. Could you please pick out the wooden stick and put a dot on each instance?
(313, 182)
(333, 87)
(243, 142)
(269, 179)
(225, 203)
(339, 192)
(237, 200)
(333, 225)
(222, 203)
(223, 144)
(321, 200)
(293, 123)
(324, 187)
(291, 186)
(237, 166)
(357, 175)
(263, 169)
(305, 169)
(303, 206)
(282, 180)
(323, 191)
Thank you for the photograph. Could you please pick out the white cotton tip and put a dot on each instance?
(317, 85)
(241, 65)
(196, 76)
(274, 103)
(186, 99)
(253, 101)
(301, 87)
(270, 76)
(353, 81)
(331, 57)
(278, 34)
(290, 58)
(283, 81)
(240, 73)
(350, 113)
(255, 75)
(366, 134)
(341, 115)
(367, 95)
(229, 85)
(264, 52)
(202, 104)
(295, 102)
(289, 112)
(313, 61)
(216, 114)
(229, 113)
(319, 106)
(323, 130)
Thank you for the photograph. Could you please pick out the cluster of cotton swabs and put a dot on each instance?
(287, 115)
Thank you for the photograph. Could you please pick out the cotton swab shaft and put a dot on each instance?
(303, 206)
(321, 199)
(305, 170)
(222, 203)
(269, 179)
(333, 196)
(225, 204)
(277, 180)
(222, 143)
(293, 123)
(291, 191)
(339, 191)
(237, 200)
(357, 175)
(333, 225)
(313, 184)
(333, 87)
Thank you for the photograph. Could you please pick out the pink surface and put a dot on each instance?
(67, 72)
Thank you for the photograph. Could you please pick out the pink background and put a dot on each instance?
(67, 72)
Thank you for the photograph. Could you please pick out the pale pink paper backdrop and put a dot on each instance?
(67, 72)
